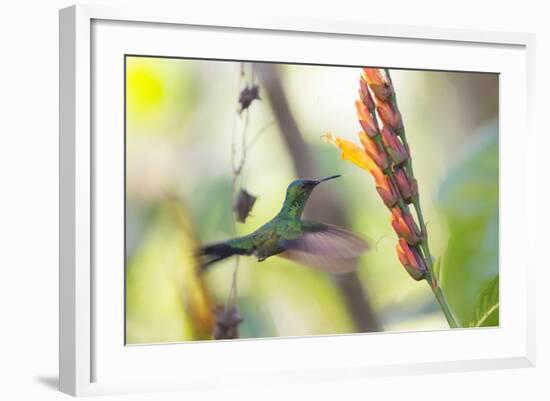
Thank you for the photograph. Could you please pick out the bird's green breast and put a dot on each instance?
(266, 240)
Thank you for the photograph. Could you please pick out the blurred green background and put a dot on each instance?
(181, 116)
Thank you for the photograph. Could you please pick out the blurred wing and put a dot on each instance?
(321, 262)
(327, 240)
(325, 247)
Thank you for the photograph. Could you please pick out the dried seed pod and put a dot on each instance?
(247, 96)
(243, 205)
(227, 323)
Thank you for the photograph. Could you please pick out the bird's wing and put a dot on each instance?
(324, 263)
(325, 247)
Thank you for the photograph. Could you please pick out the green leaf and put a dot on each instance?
(486, 313)
(469, 200)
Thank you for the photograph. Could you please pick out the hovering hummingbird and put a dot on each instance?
(322, 246)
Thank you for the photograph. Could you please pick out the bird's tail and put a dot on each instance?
(215, 252)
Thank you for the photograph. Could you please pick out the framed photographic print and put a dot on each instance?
(268, 201)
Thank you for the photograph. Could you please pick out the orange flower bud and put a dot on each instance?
(366, 119)
(405, 226)
(365, 96)
(373, 76)
(387, 191)
(378, 83)
(375, 152)
(411, 259)
(394, 146)
(408, 188)
(389, 116)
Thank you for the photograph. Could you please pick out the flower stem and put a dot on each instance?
(444, 305)
(431, 277)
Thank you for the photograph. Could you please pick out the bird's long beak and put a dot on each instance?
(328, 178)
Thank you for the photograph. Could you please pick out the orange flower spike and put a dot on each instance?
(374, 151)
(411, 260)
(389, 116)
(405, 226)
(366, 119)
(378, 83)
(394, 146)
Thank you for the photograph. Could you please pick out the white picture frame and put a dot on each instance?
(93, 358)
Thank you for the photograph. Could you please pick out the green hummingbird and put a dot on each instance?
(322, 246)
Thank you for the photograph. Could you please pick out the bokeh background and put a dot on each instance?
(181, 121)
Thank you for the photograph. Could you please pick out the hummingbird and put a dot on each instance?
(322, 246)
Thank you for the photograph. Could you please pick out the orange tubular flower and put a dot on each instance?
(366, 120)
(405, 226)
(374, 151)
(359, 157)
(354, 154)
(411, 260)
(395, 147)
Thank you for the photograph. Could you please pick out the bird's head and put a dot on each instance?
(298, 192)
